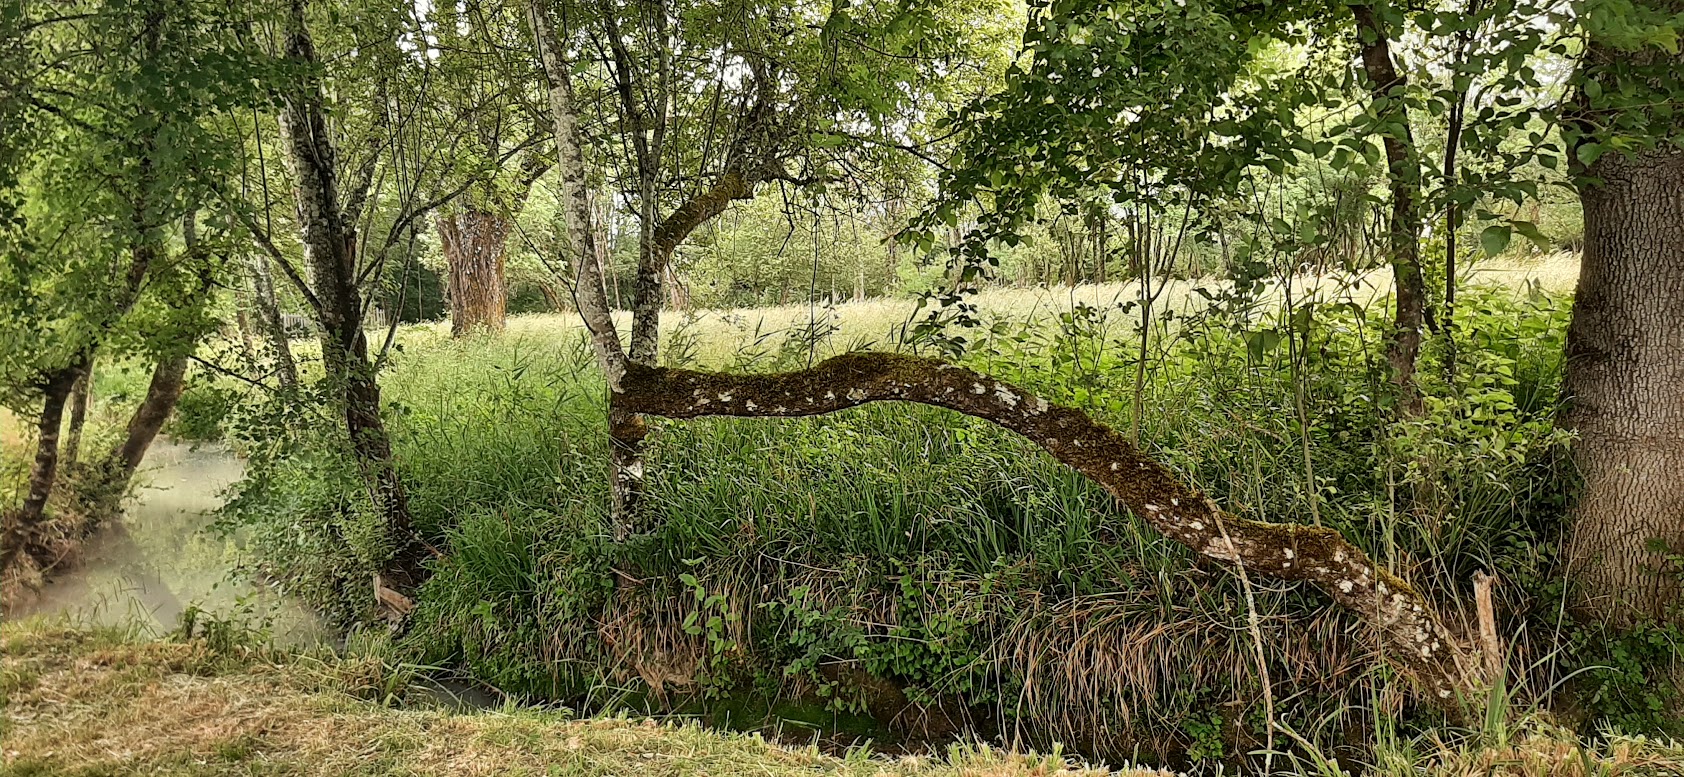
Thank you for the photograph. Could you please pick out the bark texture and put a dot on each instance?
(1403, 230)
(589, 293)
(330, 251)
(645, 89)
(473, 242)
(22, 524)
(1411, 635)
(270, 322)
(1625, 380)
(162, 393)
(78, 417)
(626, 430)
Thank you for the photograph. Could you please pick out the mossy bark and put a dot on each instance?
(1406, 626)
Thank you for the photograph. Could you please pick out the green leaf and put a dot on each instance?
(1530, 231)
(1262, 342)
(1495, 238)
(1589, 152)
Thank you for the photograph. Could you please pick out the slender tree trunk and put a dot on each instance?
(162, 393)
(330, 251)
(678, 297)
(1625, 381)
(552, 297)
(1403, 238)
(78, 417)
(269, 320)
(474, 242)
(625, 430)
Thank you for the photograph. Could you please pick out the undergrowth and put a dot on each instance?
(933, 571)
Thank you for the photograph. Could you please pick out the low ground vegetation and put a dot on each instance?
(211, 699)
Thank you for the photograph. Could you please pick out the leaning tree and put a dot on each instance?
(366, 158)
(116, 153)
(1109, 94)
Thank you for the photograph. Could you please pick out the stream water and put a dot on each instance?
(160, 558)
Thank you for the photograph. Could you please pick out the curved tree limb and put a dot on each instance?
(1405, 624)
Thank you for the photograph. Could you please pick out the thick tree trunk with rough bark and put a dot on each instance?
(1625, 382)
(1405, 625)
(330, 251)
(1403, 239)
(473, 242)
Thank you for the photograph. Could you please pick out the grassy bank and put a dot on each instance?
(104, 702)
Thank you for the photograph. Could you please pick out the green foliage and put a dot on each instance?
(202, 410)
(122, 150)
(1629, 679)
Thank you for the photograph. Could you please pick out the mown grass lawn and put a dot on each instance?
(103, 702)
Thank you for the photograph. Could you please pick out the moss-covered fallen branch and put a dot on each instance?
(1412, 636)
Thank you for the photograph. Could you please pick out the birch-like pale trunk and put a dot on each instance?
(269, 322)
(625, 430)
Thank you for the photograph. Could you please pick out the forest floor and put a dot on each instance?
(106, 702)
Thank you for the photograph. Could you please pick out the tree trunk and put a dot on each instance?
(330, 251)
(270, 322)
(678, 297)
(1388, 87)
(43, 473)
(78, 417)
(473, 242)
(626, 430)
(161, 396)
(552, 296)
(1625, 381)
(1405, 625)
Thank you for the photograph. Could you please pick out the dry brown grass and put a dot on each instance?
(97, 702)
(1545, 751)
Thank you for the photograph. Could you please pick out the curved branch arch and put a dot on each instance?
(1415, 639)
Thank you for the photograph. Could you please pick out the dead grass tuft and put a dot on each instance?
(1551, 752)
